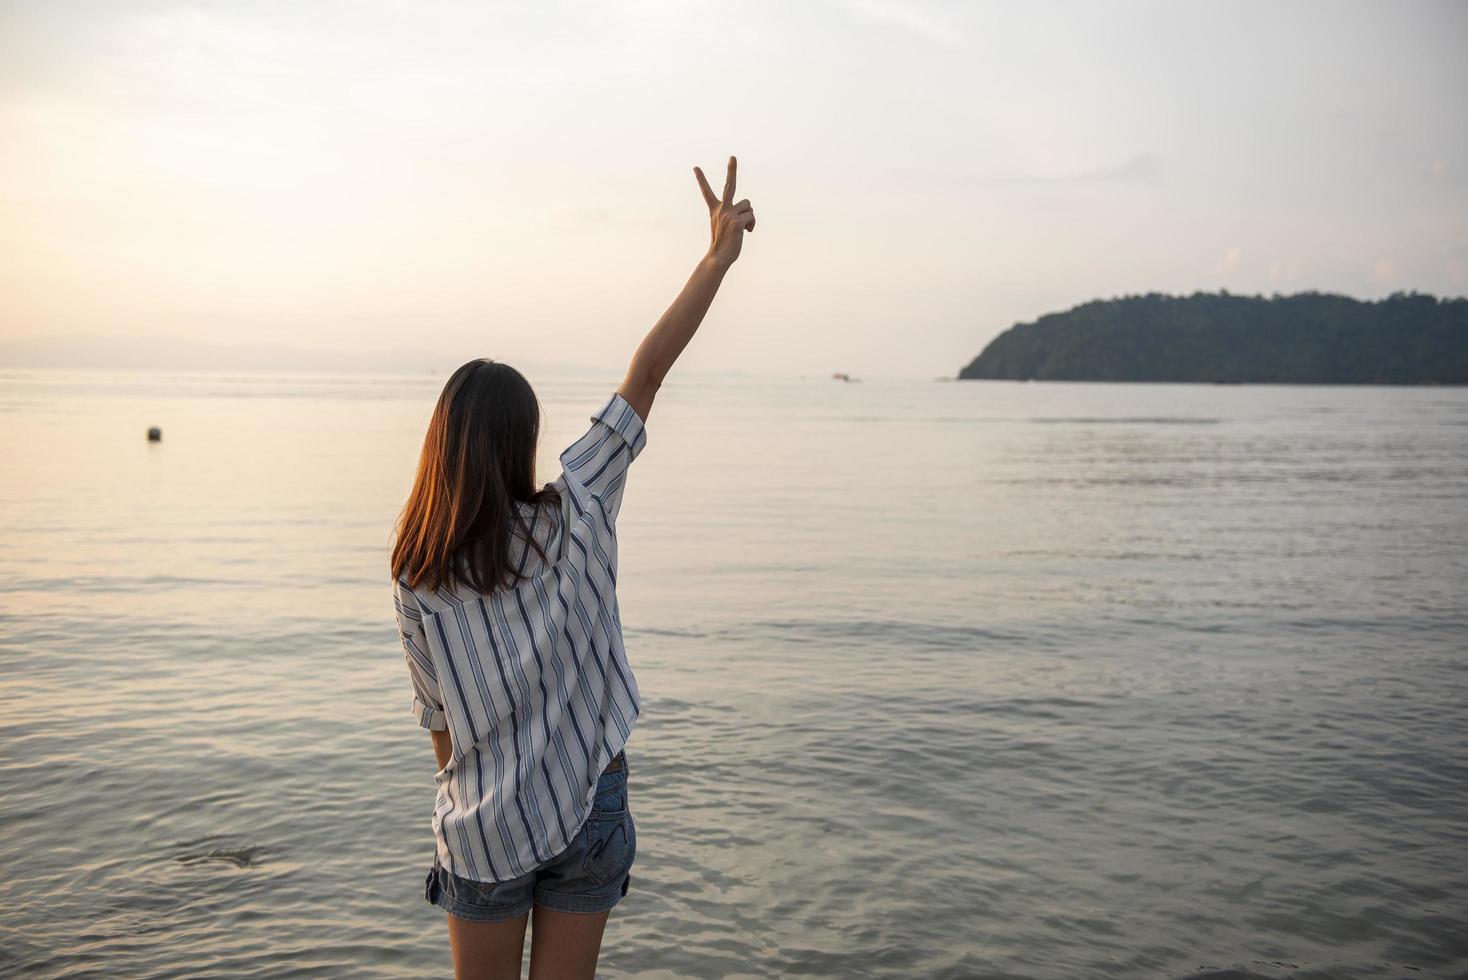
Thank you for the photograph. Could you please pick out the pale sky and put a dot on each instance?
(413, 184)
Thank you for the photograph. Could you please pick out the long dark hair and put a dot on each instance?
(478, 463)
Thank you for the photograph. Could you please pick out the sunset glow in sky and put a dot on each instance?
(414, 184)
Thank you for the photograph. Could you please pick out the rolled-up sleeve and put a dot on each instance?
(427, 698)
(596, 464)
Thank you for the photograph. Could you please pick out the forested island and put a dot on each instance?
(1307, 338)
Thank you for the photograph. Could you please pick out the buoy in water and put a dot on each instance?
(155, 434)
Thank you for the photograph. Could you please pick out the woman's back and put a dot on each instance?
(531, 681)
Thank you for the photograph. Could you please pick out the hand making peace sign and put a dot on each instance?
(728, 221)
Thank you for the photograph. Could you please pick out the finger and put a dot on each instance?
(746, 219)
(743, 205)
(708, 192)
(729, 182)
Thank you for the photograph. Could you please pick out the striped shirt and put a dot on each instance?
(532, 682)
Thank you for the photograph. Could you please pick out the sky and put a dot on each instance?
(393, 185)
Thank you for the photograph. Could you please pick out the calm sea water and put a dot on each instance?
(941, 680)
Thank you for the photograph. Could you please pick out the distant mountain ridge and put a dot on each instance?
(1306, 338)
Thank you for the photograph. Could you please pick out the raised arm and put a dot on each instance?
(728, 221)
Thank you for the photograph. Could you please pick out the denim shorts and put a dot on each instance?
(590, 875)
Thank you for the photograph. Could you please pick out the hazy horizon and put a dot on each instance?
(174, 355)
(403, 189)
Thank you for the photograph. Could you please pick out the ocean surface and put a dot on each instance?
(971, 679)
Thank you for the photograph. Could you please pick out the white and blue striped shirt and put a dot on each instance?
(532, 682)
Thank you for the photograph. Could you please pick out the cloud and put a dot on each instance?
(1444, 173)
(1142, 168)
(1281, 271)
(1228, 262)
(912, 17)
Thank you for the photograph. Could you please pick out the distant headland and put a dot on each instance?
(1307, 338)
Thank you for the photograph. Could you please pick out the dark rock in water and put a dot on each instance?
(240, 857)
(1308, 338)
(155, 434)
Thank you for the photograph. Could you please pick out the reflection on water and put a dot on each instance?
(971, 679)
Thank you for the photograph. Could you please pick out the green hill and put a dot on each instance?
(1308, 338)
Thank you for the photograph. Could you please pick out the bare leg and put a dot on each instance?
(565, 945)
(487, 950)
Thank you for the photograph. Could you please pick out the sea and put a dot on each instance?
(940, 679)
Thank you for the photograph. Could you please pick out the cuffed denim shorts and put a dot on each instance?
(591, 875)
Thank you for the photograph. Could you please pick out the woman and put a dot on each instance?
(506, 602)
